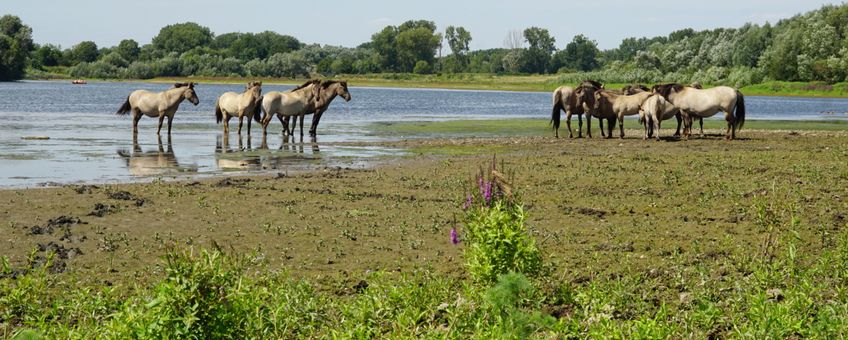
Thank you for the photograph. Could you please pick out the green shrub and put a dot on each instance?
(422, 67)
(497, 239)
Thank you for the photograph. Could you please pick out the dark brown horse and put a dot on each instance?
(326, 91)
(585, 94)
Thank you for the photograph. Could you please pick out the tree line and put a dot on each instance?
(807, 47)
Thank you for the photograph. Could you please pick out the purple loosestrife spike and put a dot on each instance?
(468, 202)
(480, 185)
(454, 237)
(487, 195)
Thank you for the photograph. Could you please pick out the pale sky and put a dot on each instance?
(352, 22)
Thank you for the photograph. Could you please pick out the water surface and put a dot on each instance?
(88, 143)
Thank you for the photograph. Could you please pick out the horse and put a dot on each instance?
(298, 101)
(653, 111)
(694, 102)
(161, 104)
(574, 101)
(565, 99)
(327, 91)
(231, 104)
(620, 105)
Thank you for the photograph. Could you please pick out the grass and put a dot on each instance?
(532, 127)
(208, 294)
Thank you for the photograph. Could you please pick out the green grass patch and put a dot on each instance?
(797, 89)
(541, 127)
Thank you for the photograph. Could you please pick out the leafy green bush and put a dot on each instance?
(497, 239)
(200, 298)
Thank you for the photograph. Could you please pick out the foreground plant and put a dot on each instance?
(497, 241)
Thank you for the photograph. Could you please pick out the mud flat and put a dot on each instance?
(596, 206)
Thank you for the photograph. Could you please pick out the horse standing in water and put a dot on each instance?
(327, 90)
(694, 102)
(248, 103)
(296, 102)
(158, 104)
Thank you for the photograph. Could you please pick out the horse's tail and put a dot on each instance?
(558, 105)
(257, 110)
(740, 110)
(219, 115)
(125, 108)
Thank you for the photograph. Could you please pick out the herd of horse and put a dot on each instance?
(653, 105)
(590, 98)
(312, 97)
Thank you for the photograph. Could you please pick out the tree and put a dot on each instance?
(400, 48)
(46, 55)
(458, 40)
(85, 51)
(128, 49)
(538, 55)
(580, 54)
(15, 46)
(182, 37)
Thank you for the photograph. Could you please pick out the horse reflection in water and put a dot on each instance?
(228, 159)
(162, 161)
(293, 146)
(246, 157)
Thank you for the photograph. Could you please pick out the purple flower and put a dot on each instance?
(454, 237)
(487, 194)
(480, 184)
(468, 202)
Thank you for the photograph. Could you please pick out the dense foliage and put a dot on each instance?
(808, 47)
(15, 46)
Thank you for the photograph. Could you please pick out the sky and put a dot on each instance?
(352, 22)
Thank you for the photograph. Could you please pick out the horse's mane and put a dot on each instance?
(592, 83)
(189, 84)
(629, 88)
(665, 89)
(309, 82)
(697, 85)
(326, 83)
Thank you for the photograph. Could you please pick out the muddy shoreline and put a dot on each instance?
(596, 207)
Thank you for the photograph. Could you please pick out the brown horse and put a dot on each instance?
(585, 94)
(694, 102)
(247, 103)
(158, 104)
(327, 91)
(565, 99)
(295, 102)
(634, 89)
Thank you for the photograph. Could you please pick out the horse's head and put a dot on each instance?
(255, 88)
(189, 94)
(341, 90)
(599, 97)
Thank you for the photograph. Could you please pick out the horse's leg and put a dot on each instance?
(161, 120)
(313, 129)
(241, 121)
(301, 127)
(589, 125)
(701, 121)
(285, 124)
(731, 126)
(657, 123)
(170, 120)
(601, 123)
(579, 126)
(227, 124)
(249, 118)
(646, 122)
(621, 125)
(679, 121)
(568, 123)
(136, 117)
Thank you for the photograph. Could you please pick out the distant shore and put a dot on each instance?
(492, 82)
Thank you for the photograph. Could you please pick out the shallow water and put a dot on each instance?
(88, 143)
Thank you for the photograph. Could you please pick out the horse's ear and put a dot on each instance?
(191, 85)
(177, 85)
